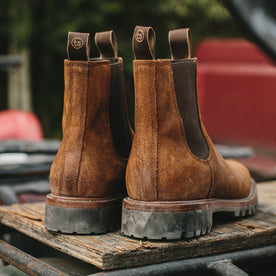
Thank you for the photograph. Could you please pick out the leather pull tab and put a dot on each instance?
(143, 42)
(107, 44)
(180, 43)
(78, 46)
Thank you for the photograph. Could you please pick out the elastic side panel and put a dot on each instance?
(117, 112)
(185, 84)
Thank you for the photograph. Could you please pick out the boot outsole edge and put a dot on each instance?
(196, 220)
(83, 220)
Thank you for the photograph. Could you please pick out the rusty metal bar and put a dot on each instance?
(202, 264)
(25, 262)
(47, 147)
(226, 268)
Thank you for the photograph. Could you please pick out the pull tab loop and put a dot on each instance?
(107, 44)
(180, 43)
(78, 46)
(143, 42)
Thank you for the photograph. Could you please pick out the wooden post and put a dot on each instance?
(20, 20)
(19, 92)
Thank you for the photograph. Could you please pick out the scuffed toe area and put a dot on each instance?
(242, 185)
(235, 184)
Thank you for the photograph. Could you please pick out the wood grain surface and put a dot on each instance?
(113, 251)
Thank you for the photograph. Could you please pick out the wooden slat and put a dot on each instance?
(267, 193)
(111, 251)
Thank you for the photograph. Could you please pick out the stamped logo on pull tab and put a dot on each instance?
(139, 36)
(77, 43)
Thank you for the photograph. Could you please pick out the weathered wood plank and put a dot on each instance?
(267, 193)
(111, 251)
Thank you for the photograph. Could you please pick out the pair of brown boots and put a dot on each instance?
(175, 177)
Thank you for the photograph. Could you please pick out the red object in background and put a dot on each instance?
(237, 93)
(29, 198)
(17, 124)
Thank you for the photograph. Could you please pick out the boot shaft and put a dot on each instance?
(172, 156)
(169, 145)
(96, 132)
(184, 83)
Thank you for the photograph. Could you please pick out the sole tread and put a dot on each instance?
(175, 226)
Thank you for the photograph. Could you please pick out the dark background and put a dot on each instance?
(41, 27)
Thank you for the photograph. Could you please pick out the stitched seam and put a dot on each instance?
(153, 153)
(74, 176)
(69, 123)
(106, 99)
(137, 122)
(156, 138)
(77, 155)
(84, 130)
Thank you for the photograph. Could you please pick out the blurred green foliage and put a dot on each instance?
(42, 27)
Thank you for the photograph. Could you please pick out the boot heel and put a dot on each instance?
(165, 225)
(84, 216)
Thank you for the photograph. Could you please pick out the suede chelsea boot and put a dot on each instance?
(176, 179)
(88, 172)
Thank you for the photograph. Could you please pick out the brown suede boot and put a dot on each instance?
(87, 175)
(176, 179)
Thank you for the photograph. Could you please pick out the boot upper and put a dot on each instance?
(89, 162)
(172, 157)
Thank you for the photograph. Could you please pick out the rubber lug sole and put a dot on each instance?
(159, 221)
(98, 218)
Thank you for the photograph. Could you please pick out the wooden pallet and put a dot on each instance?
(113, 251)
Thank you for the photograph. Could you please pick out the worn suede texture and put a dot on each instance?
(161, 166)
(87, 164)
